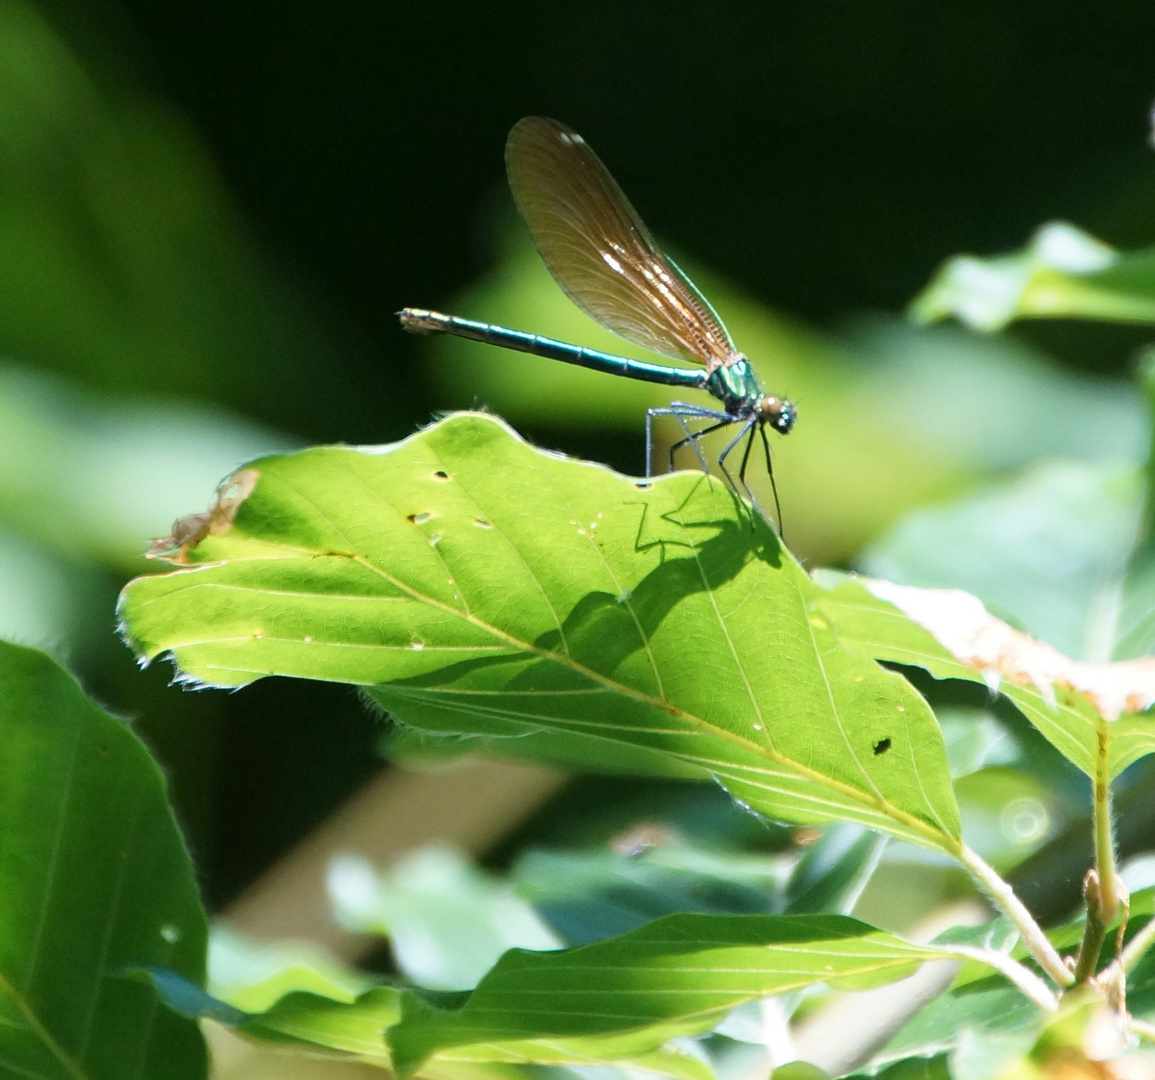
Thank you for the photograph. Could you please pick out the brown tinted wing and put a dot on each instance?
(598, 250)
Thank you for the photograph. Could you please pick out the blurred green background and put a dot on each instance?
(210, 212)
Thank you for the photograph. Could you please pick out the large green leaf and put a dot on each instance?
(677, 975)
(1063, 272)
(94, 882)
(481, 586)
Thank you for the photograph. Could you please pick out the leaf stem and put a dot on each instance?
(1015, 910)
(1026, 980)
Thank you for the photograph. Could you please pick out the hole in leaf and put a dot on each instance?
(420, 519)
(881, 746)
(417, 644)
(441, 474)
(481, 523)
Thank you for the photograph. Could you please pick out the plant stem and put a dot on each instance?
(1108, 890)
(1093, 932)
(1004, 897)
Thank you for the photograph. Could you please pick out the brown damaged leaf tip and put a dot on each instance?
(191, 529)
(963, 626)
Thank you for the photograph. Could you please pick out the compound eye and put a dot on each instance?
(780, 414)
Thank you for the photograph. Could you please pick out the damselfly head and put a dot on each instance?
(779, 413)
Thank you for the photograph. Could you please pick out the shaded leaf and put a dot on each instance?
(480, 586)
(95, 882)
(592, 895)
(832, 873)
(991, 400)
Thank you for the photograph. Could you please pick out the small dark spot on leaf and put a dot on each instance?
(440, 474)
(881, 746)
(482, 524)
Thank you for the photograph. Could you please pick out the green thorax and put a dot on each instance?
(735, 386)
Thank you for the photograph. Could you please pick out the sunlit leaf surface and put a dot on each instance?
(1066, 717)
(94, 883)
(480, 586)
(352, 1027)
(677, 975)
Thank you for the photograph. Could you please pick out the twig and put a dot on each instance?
(1094, 930)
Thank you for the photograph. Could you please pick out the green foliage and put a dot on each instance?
(1062, 272)
(1066, 719)
(480, 586)
(487, 594)
(96, 884)
(477, 586)
(677, 975)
